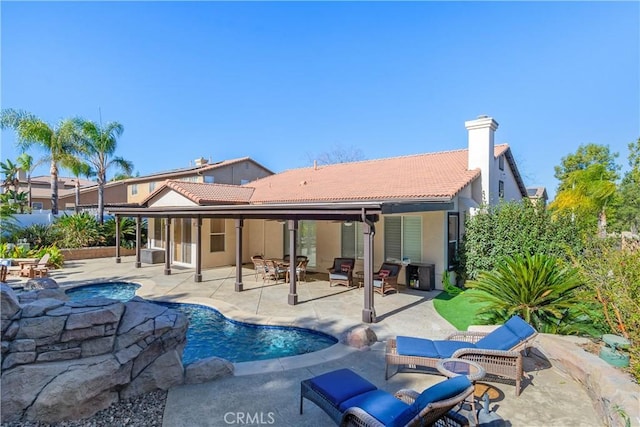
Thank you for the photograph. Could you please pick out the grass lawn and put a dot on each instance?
(458, 309)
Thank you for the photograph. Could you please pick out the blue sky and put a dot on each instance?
(282, 81)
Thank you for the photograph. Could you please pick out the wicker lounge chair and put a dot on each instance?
(351, 400)
(386, 278)
(498, 352)
(341, 273)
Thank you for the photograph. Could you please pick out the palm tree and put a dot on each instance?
(57, 141)
(98, 147)
(27, 164)
(10, 171)
(536, 288)
(589, 192)
(78, 168)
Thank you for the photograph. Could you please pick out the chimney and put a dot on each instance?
(201, 161)
(481, 155)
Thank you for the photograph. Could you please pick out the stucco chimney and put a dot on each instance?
(481, 131)
(201, 161)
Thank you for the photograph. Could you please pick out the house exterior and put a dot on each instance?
(41, 190)
(408, 209)
(235, 172)
(115, 193)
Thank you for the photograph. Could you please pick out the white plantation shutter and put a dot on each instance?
(412, 238)
(392, 237)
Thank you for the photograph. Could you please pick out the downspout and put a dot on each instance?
(369, 230)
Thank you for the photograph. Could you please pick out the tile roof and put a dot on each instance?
(206, 194)
(430, 176)
(191, 170)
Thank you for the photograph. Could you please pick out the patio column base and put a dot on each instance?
(368, 316)
(239, 287)
(167, 271)
(293, 299)
(118, 260)
(198, 278)
(138, 264)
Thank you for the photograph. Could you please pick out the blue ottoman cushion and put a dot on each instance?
(423, 347)
(338, 386)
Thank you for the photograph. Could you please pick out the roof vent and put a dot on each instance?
(303, 182)
(483, 116)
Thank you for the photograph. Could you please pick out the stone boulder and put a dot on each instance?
(41, 283)
(360, 337)
(207, 369)
(67, 360)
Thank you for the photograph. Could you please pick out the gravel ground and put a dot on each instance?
(144, 410)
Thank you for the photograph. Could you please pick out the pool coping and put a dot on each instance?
(334, 352)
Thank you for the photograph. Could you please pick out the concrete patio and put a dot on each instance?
(267, 392)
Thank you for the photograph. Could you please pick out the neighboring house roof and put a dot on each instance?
(66, 181)
(206, 194)
(537, 192)
(191, 170)
(431, 176)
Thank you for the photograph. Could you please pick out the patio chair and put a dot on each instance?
(301, 269)
(31, 269)
(3, 273)
(386, 278)
(273, 271)
(258, 266)
(341, 273)
(498, 352)
(351, 400)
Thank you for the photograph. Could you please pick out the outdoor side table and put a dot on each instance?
(360, 276)
(472, 370)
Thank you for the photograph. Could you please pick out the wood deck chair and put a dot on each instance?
(39, 269)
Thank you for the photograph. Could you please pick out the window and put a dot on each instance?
(403, 238)
(453, 233)
(501, 189)
(209, 179)
(352, 240)
(158, 232)
(152, 186)
(501, 163)
(306, 244)
(216, 239)
(36, 205)
(134, 189)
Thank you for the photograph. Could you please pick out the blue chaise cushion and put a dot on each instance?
(338, 386)
(422, 347)
(382, 406)
(441, 391)
(507, 336)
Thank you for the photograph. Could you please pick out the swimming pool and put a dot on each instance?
(212, 334)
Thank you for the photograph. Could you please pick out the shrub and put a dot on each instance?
(56, 259)
(514, 228)
(536, 288)
(78, 230)
(613, 276)
(38, 235)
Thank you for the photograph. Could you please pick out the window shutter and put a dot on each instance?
(412, 238)
(393, 238)
(348, 241)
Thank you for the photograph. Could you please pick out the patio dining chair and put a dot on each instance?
(273, 271)
(258, 266)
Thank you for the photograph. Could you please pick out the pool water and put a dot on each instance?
(122, 291)
(211, 334)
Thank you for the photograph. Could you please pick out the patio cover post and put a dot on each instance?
(138, 240)
(369, 311)
(117, 218)
(293, 264)
(167, 246)
(198, 276)
(239, 224)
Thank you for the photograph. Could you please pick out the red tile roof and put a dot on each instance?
(206, 194)
(423, 176)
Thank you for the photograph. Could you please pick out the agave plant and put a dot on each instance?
(536, 288)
